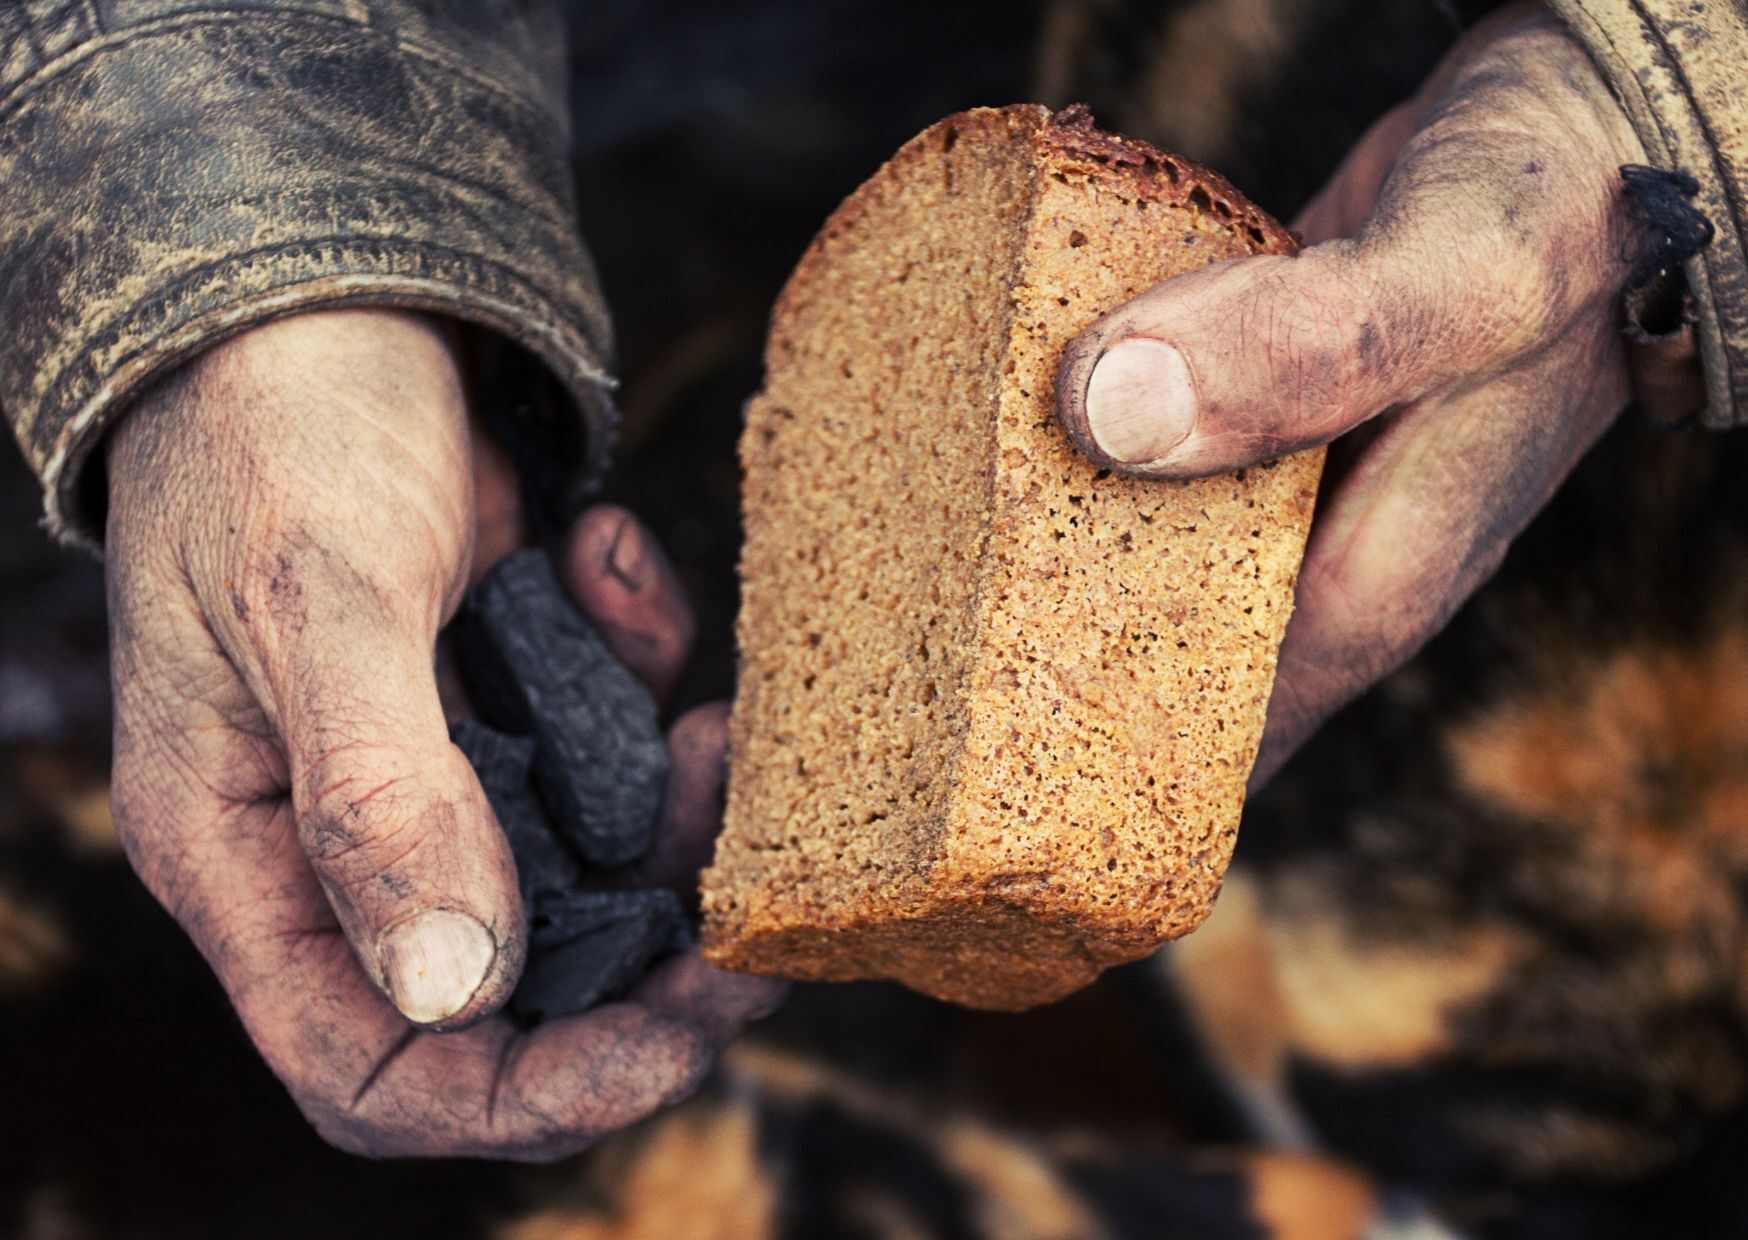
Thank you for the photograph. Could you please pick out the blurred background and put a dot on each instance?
(1580, 1095)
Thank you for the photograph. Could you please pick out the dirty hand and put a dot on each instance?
(292, 519)
(1455, 317)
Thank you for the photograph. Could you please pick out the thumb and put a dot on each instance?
(1253, 359)
(393, 819)
(1489, 237)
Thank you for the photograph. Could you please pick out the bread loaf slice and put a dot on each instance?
(996, 707)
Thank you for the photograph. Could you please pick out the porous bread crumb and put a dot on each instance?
(996, 707)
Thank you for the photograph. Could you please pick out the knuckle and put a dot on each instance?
(1526, 292)
(162, 860)
(380, 836)
(350, 858)
(1500, 233)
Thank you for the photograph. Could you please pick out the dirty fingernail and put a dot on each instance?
(627, 558)
(1141, 401)
(434, 963)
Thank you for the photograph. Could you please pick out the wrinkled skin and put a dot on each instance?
(1454, 317)
(292, 520)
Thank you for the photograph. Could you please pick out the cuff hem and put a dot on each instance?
(96, 387)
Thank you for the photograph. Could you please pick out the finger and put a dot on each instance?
(390, 814)
(498, 1092)
(1487, 240)
(554, 1090)
(691, 813)
(716, 1002)
(621, 579)
(546, 1093)
(1423, 518)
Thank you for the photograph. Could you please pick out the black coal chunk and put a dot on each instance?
(543, 861)
(588, 946)
(536, 667)
(571, 757)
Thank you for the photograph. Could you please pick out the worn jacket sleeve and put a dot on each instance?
(1680, 68)
(178, 170)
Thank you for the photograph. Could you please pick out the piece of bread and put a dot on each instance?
(996, 707)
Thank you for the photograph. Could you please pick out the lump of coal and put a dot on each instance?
(588, 946)
(580, 781)
(536, 667)
(543, 862)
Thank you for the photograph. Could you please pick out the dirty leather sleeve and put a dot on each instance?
(177, 170)
(1680, 68)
